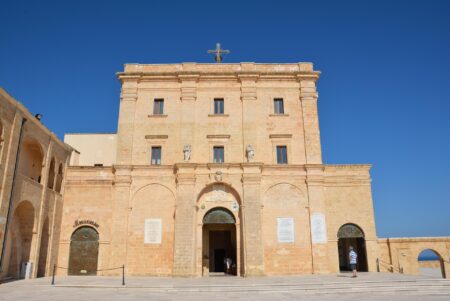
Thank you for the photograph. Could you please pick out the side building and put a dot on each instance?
(33, 162)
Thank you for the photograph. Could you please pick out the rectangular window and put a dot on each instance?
(218, 154)
(156, 155)
(281, 154)
(278, 106)
(158, 106)
(218, 106)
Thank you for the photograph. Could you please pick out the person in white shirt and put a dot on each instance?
(353, 258)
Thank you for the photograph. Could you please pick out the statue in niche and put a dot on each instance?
(187, 152)
(250, 153)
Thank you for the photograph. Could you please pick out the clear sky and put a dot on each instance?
(384, 93)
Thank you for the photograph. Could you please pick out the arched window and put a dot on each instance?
(51, 174)
(59, 178)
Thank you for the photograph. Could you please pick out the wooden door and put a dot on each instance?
(83, 256)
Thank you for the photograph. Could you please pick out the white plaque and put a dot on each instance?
(285, 229)
(318, 229)
(153, 227)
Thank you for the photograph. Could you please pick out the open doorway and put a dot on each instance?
(219, 243)
(351, 235)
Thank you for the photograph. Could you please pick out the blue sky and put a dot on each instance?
(384, 94)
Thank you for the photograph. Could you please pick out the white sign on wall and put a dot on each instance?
(153, 229)
(285, 229)
(318, 229)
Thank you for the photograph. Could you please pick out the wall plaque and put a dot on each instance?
(285, 229)
(152, 233)
(318, 229)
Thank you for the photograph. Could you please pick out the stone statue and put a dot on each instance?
(250, 153)
(187, 152)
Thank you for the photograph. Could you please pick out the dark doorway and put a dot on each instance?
(219, 260)
(219, 238)
(352, 235)
(83, 256)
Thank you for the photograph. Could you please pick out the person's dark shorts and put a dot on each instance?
(353, 266)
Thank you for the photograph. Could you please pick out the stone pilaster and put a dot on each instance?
(252, 220)
(121, 212)
(249, 98)
(188, 96)
(125, 131)
(185, 214)
(308, 99)
(316, 203)
(41, 212)
(10, 150)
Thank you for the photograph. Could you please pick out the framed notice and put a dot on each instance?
(318, 229)
(285, 229)
(152, 231)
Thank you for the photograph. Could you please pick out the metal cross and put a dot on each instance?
(218, 53)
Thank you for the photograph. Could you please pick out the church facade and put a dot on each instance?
(215, 168)
(217, 161)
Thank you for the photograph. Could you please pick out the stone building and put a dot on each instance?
(33, 162)
(214, 168)
(215, 161)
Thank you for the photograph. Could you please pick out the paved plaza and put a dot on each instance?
(368, 286)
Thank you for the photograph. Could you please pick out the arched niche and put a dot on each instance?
(59, 178)
(31, 159)
(51, 174)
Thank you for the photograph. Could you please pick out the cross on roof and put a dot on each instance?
(218, 53)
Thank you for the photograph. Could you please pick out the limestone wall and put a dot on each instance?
(32, 209)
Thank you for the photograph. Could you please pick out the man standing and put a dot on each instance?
(353, 257)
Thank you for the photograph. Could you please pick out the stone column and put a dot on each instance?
(252, 220)
(121, 212)
(125, 132)
(185, 222)
(316, 202)
(308, 99)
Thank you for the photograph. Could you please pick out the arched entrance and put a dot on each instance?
(431, 264)
(83, 256)
(219, 242)
(351, 235)
(21, 240)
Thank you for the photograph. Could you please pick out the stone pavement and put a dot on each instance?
(368, 286)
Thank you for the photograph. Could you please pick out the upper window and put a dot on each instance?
(219, 106)
(278, 106)
(281, 154)
(219, 154)
(158, 106)
(156, 155)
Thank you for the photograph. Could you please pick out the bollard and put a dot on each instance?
(53, 276)
(123, 274)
